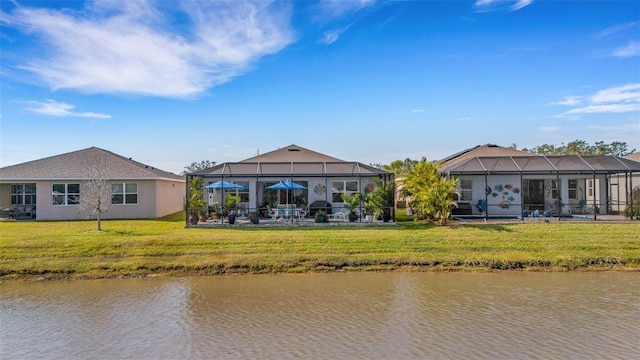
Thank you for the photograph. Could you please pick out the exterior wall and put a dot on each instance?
(144, 209)
(505, 198)
(155, 198)
(5, 196)
(170, 197)
(505, 194)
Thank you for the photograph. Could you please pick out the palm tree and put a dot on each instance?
(430, 194)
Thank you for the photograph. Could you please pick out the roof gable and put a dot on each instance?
(74, 165)
(291, 153)
(635, 156)
(481, 151)
(288, 161)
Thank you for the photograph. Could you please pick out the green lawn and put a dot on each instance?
(75, 249)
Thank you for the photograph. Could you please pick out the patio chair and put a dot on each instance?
(272, 213)
(282, 211)
(342, 214)
(292, 211)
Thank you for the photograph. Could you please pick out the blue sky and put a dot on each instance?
(169, 83)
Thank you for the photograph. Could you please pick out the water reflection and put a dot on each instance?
(361, 315)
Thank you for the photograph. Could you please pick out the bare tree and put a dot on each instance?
(96, 190)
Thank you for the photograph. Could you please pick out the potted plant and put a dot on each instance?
(369, 207)
(196, 205)
(214, 213)
(352, 203)
(320, 216)
(254, 218)
(233, 201)
(382, 199)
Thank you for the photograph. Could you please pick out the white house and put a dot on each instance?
(53, 188)
(497, 181)
(323, 177)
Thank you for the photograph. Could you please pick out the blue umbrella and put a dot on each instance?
(286, 185)
(224, 185)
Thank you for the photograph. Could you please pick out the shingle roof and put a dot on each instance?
(73, 165)
(291, 153)
(480, 151)
(635, 156)
(291, 160)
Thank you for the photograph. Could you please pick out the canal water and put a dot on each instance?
(575, 315)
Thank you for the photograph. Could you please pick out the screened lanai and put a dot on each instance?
(323, 183)
(551, 185)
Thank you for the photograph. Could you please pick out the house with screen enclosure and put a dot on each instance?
(621, 187)
(497, 181)
(55, 187)
(289, 176)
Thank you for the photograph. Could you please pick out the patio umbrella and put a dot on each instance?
(286, 185)
(224, 185)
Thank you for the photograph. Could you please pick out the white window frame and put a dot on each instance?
(465, 192)
(64, 197)
(124, 192)
(573, 189)
(338, 192)
(23, 194)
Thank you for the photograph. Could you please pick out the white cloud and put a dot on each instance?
(331, 36)
(466, 118)
(338, 8)
(415, 111)
(569, 101)
(631, 50)
(621, 99)
(499, 5)
(604, 108)
(627, 93)
(617, 29)
(60, 109)
(134, 47)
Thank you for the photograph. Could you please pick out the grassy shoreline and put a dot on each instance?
(163, 247)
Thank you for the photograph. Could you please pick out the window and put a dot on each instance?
(342, 187)
(126, 193)
(66, 194)
(23, 194)
(590, 187)
(573, 189)
(466, 190)
(243, 193)
(554, 189)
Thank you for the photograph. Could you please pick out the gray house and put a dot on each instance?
(497, 181)
(53, 188)
(321, 179)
